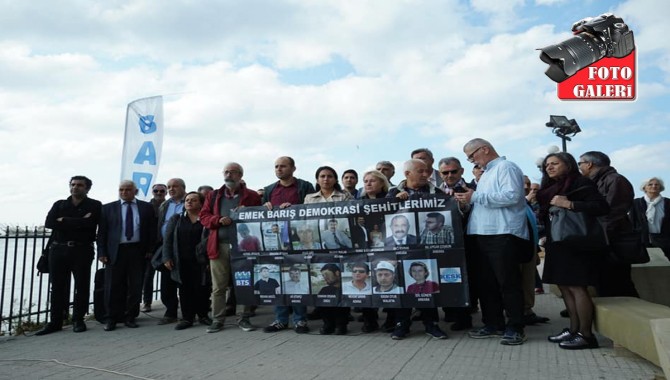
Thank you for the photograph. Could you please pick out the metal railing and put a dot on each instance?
(25, 295)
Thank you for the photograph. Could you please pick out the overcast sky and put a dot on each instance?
(340, 83)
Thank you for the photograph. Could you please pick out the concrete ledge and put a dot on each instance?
(652, 280)
(627, 321)
(661, 330)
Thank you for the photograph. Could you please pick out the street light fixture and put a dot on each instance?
(563, 128)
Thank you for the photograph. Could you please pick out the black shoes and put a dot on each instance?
(110, 326)
(533, 319)
(183, 324)
(370, 327)
(563, 335)
(167, 320)
(579, 342)
(461, 325)
(341, 330)
(78, 326)
(130, 323)
(48, 329)
(327, 329)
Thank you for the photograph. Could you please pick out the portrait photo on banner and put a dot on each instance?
(275, 235)
(356, 278)
(400, 230)
(387, 275)
(295, 278)
(267, 279)
(327, 278)
(308, 237)
(248, 237)
(335, 234)
(421, 276)
(436, 228)
(365, 231)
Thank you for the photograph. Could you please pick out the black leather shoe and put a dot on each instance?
(131, 324)
(534, 319)
(326, 330)
(370, 327)
(579, 342)
(341, 330)
(183, 324)
(460, 325)
(110, 326)
(563, 335)
(48, 329)
(78, 326)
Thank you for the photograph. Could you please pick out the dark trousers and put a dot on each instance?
(193, 291)
(499, 284)
(169, 295)
(615, 279)
(123, 283)
(63, 261)
(370, 316)
(429, 316)
(148, 282)
(335, 316)
(463, 314)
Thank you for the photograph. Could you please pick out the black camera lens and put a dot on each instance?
(572, 55)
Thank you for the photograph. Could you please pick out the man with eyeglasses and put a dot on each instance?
(451, 172)
(614, 278)
(215, 216)
(497, 231)
(173, 205)
(159, 192)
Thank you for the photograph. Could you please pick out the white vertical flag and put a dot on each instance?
(142, 143)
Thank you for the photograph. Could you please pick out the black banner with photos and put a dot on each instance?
(364, 253)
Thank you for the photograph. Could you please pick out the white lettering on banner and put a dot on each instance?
(602, 91)
(613, 72)
(143, 143)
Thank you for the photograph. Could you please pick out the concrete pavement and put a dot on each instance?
(160, 352)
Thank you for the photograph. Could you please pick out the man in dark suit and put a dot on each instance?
(359, 234)
(400, 233)
(126, 235)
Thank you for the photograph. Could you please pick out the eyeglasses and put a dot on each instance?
(471, 157)
(358, 271)
(447, 172)
(582, 162)
(159, 191)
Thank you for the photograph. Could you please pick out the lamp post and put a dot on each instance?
(562, 127)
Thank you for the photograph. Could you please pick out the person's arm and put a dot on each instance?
(209, 217)
(510, 184)
(168, 244)
(101, 241)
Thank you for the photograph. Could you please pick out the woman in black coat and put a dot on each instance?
(651, 215)
(573, 270)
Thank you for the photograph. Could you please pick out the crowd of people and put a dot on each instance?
(189, 238)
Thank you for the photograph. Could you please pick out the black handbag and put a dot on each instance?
(576, 229)
(201, 248)
(43, 262)
(628, 248)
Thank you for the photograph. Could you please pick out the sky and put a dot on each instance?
(339, 83)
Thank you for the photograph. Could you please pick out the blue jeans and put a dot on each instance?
(299, 313)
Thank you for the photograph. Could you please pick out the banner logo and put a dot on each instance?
(598, 63)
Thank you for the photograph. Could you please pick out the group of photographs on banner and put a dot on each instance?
(365, 253)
